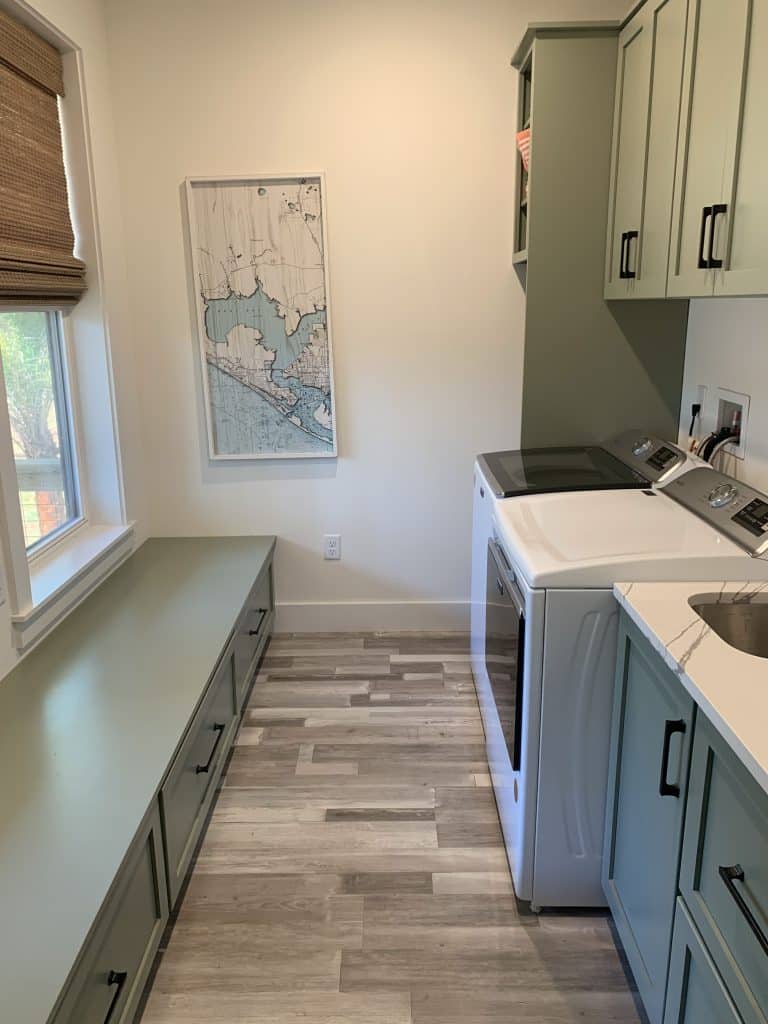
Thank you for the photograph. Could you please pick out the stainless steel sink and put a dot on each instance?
(742, 622)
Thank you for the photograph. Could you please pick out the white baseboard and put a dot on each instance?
(372, 616)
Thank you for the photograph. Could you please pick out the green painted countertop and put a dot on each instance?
(88, 724)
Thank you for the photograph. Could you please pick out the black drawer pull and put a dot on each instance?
(703, 262)
(627, 240)
(201, 768)
(622, 255)
(670, 728)
(263, 613)
(735, 873)
(118, 978)
(717, 209)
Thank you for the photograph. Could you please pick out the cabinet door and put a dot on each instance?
(650, 747)
(696, 993)
(742, 233)
(712, 86)
(724, 868)
(646, 121)
(630, 132)
(108, 982)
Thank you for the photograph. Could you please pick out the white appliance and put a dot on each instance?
(546, 686)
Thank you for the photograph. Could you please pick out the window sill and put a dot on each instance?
(63, 577)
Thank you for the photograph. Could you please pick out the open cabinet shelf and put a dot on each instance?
(524, 107)
(589, 371)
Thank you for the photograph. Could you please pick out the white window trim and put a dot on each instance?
(67, 575)
(47, 584)
(45, 587)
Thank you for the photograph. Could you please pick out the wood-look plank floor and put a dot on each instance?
(354, 872)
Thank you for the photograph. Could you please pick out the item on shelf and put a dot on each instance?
(524, 146)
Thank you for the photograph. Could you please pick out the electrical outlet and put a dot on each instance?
(332, 550)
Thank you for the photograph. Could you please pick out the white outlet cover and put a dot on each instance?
(332, 547)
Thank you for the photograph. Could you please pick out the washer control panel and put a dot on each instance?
(731, 506)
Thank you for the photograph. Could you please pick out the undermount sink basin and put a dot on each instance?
(740, 620)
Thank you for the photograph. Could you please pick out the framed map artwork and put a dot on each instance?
(261, 293)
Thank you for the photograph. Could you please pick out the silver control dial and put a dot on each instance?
(722, 495)
(642, 446)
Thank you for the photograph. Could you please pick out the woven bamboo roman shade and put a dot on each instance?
(37, 265)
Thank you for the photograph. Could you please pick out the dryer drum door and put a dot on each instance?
(505, 648)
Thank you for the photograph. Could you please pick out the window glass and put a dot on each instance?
(38, 407)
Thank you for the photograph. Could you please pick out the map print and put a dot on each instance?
(258, 250)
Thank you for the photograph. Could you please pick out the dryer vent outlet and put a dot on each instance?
(733, 413)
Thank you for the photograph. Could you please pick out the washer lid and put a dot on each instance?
(593, 539)
(544, 470)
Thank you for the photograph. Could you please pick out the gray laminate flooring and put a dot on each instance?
(354, 872)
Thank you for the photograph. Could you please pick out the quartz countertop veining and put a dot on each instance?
(730, 687)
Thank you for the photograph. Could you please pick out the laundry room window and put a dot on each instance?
(37, 392)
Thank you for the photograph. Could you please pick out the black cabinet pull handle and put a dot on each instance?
(263, 614)
(735, 873)
(630, 274)
(670, 728)
(118, 978)
(703, 262)
(203, 768)
(622, 256)
(717, 209)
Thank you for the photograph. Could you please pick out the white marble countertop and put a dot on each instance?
(730, 687)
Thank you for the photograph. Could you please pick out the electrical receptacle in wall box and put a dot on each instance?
(732, 406)
(332, 547)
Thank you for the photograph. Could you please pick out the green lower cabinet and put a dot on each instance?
(252, 632)
(696, 992)
(189, 788)
(650, 749)
(685, 864)
(109, 978)
(724, 869)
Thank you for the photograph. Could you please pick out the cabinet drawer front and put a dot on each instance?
(115, 965)
(189, 788)
(727, 827)
(252, 631)
(696, 993)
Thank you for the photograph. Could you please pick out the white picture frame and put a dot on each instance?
(194, 187)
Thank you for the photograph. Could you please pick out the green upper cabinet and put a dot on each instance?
(646, 116)
(720, 213)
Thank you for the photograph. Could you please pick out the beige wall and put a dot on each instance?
(409, 108)
(728, 347)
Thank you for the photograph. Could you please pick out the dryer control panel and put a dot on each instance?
(731, 506)
(658, 461)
